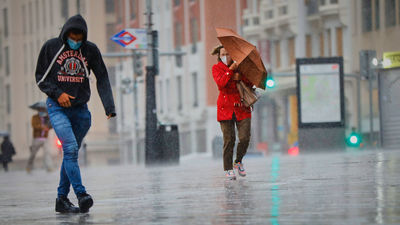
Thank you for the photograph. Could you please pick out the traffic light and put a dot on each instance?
(270, 82)
(137, 64)
(354, 140)
(58, 144)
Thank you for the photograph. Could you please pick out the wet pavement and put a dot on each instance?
(335, 188)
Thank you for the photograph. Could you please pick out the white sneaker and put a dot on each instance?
(240, 169)
(230, 174)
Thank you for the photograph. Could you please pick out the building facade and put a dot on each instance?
(186, 93)
(286, 30)
(24, 27)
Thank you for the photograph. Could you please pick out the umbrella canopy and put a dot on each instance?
(245, 54)
(38, 105)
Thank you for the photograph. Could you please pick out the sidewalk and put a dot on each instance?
(334, 188)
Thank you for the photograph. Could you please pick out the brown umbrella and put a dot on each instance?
(245, 54)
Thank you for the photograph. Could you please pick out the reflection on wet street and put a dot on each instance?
(334, 188)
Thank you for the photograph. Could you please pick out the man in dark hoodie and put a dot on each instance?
(62, 73)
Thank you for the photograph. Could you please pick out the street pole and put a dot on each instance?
(371, 116)
(152, 154)
(359, 103)
(135, 106)
(367, 71)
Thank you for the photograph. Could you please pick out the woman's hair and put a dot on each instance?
(216, 51)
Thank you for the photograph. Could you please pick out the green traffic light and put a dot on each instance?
(270, 83)
(354, 140)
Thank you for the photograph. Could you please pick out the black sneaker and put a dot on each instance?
(63, 205)
(85, 202)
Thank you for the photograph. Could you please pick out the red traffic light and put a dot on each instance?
(59, 144)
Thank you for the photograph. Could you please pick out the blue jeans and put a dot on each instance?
(71, 125)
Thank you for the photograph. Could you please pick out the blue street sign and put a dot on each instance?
(131, 38)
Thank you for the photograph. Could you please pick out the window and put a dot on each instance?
(32, 55)
(194, 34)
(1, 52)
(110, 6)
(168, 92)
(201, 140)
(312, 7)
(321, 44)
(7, 60)
(283, 10)
(30, 17)
(390, 13)
(269, 14)
(292, 57)
(377, 15)
(80, 5)
(278, 54)
(8, 98)
(194, 30)
(322, 2)
(44, 13)
(23, 19)
(339, 41)
(5, 21)
(179, 92)
(161, 94)
(112, 75)
(334, 1)
(111, 46)
(37, 14)
(25, 58)
(51, 12)
(195, 90)
(177, 2)
(112, 126)
(328, 33)
(256, 21)
(132, 5)
(178, 35)
(246, 22)
(366, 15)
(64, 9)
(178, 42)
(308, 46)
(120, 11)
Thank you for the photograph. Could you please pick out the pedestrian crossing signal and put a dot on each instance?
(354, 140)
(59, 144)
(270, 83)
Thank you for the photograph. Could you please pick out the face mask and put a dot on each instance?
(75, 45)
(42, 114)
(224, 60)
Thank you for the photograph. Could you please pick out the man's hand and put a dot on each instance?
(233, 66)
(110, 115)
(64, 101)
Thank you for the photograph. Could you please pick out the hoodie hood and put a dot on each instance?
(74, 22)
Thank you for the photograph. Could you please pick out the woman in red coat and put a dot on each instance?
(231, 112)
